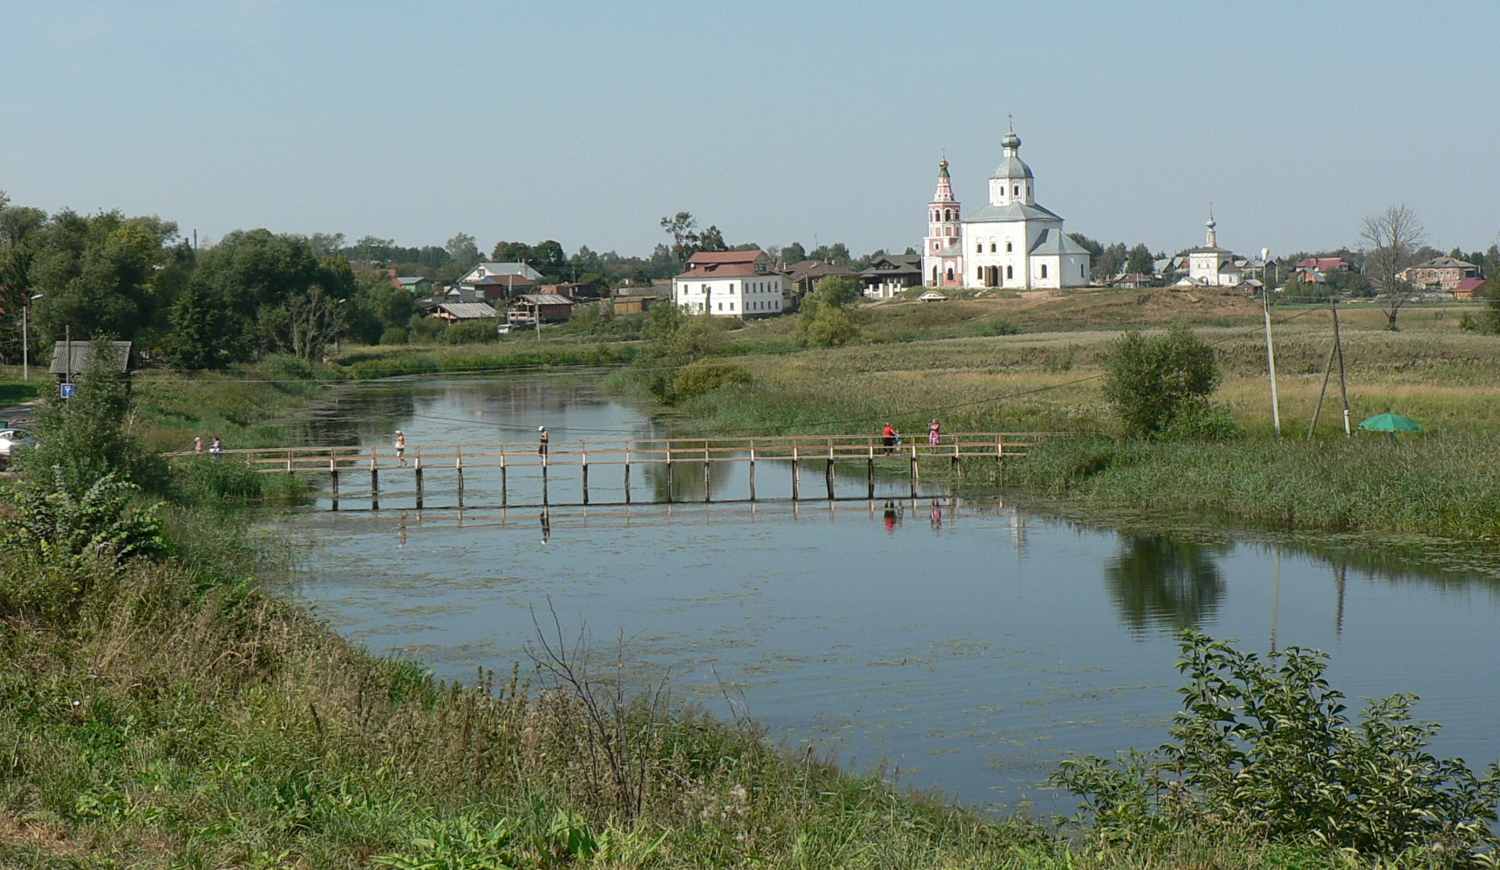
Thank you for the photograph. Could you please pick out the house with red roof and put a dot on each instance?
(1315, 270)
(1468, 288)
(730, 284)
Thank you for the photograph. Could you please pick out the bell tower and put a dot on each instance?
(942, 228)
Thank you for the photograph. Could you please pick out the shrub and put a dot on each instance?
(1149, 381)
(471, 331)
(999, 326)
(826, 325)
(1203, 423)
(705, 377)
(1265, 746)
(394, 335)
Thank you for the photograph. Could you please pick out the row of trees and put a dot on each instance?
(136, 278)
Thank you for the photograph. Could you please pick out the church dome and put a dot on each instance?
(1012, 166)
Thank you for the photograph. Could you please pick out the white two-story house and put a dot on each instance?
(730, 284)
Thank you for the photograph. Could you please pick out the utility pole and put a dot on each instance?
(1338, 345)
(68, 343)
(1265, 295)
(25, 345)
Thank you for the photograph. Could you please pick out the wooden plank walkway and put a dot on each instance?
(826, 451)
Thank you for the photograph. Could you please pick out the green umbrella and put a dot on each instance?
(1391, 423)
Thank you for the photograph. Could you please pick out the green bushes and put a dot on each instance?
(1150, 382)
(704, 376)
(1265, 746)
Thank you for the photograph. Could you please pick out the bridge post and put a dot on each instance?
(333, 473)
(374, 480)
(670, 497)
(585, 474)
(915, 472)
(796, 474)
(707, 474)
(958, 469)
(829, 472)
(752, 469)
(418, 473)
(627, 472)
(504, 499)
(870, 472)
(458, 466)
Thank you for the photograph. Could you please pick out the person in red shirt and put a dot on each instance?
(888, 434)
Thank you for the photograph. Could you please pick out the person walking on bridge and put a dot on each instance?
(541, 441)
(888, 436)
(401, 448)
(934, 433)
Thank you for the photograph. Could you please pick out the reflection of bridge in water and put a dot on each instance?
(675, 469)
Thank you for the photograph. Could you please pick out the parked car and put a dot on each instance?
(10, 439)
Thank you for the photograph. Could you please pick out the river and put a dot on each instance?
(968, 644)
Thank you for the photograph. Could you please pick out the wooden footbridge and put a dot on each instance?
(666, 461)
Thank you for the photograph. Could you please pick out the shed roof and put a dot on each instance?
(80, 351)
(545, 299)
(467, 310)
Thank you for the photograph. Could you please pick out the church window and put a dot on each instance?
(1010, 272)
(1016, 191)
(1080, 271)
(1044, 270)
(979, 247)
(992, 247)
(950, 274)
(979, 274)
(1009, 247)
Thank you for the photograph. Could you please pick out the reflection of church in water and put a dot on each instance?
(1010, 242)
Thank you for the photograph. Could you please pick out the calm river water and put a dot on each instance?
(970, 645)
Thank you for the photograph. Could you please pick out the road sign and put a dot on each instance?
(68, 390)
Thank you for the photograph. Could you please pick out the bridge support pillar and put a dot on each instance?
(627, 475)
(829, 476)
(870, 474)
(707, 475)
(752, 471)
(796, 475)
(916, 475)
(333, 474)
(418, 475)
(585, 478)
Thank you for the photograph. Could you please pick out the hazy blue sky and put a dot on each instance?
(778, 122)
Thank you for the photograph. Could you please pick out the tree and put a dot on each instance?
(1108, 264)
(98, 274)
(640, 278)
(683, 228)
(823, 320)
(462, 250)
(1392, 240)
(1140, 261)
(793, 253)
(712, 240)
(1151, 382)
(1095, 249)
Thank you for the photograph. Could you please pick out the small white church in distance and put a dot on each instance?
(1011, 242)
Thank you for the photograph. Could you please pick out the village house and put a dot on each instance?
(1439, 273)
(492, 281)
(891, 275)
(1315, 270)
(804, 276)
(1468, 288)
(528, 308)
(730, 284)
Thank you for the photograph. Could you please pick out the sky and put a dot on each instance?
(776, 122)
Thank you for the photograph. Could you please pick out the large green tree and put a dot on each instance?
(98, 275)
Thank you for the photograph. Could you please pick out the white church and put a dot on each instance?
(1011, 242)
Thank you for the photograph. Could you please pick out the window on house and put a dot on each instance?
(1008, 247)
(1044, 270)
(992, 247)
(1080, 271)
(1010, 272)
(1016, 191)
(979, 274)
(979, 247)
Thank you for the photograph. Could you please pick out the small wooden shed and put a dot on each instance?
(550, 307)
(70, 358)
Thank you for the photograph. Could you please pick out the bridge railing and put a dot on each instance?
(837, 448)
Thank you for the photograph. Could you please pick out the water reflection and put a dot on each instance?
(1158, 582)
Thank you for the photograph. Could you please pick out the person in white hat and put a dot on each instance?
(541, 441)
(400, 447)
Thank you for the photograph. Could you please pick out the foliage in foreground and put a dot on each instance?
(1266, 746)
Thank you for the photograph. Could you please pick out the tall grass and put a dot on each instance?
(1439, 486)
